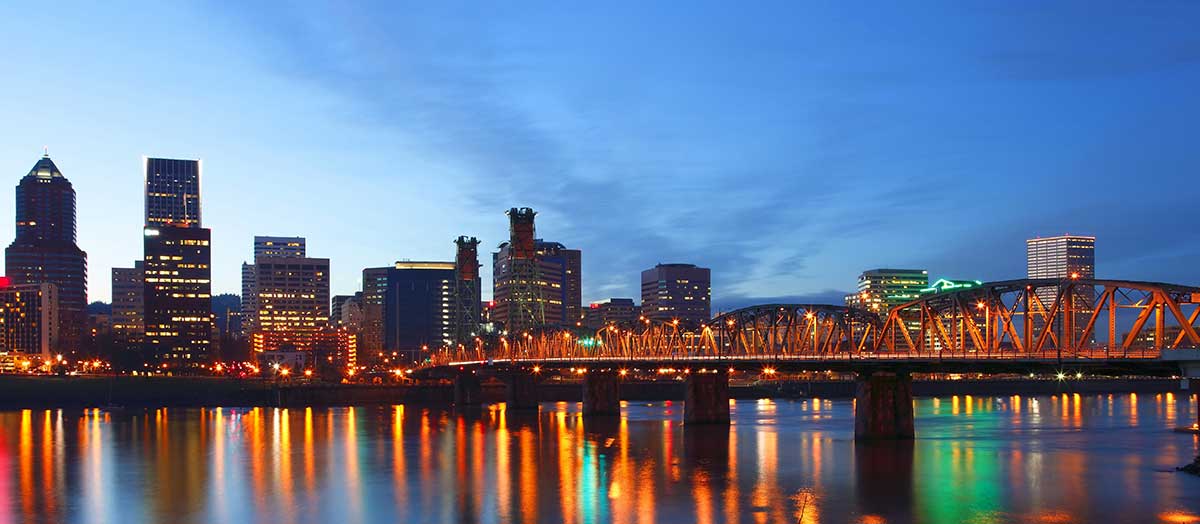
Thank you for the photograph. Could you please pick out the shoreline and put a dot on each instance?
(23, 392)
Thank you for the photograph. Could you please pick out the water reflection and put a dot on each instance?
(1063, 458)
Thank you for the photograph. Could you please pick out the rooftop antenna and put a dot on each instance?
(46, 151)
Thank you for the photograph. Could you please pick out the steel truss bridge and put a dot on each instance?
(1117, 326)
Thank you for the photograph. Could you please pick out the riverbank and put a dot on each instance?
(19, 391)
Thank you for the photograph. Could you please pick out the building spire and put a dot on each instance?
(45, 151)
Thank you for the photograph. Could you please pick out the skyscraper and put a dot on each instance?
(292, 299)
(374, 293)
(880, 290)
(677, 292)
(28, 323)
(554, 296)
(418, 308)
(44, 249)
(128, 306)
(178, 286)
(1063, 257)
(264, 246)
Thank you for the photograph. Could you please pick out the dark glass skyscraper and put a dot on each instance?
(44, 250)
(178, 283)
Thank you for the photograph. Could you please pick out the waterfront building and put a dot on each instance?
(177, 258)
(29, 324)
(677, 292)
(177, 295)
(611, 311)
(128, 306)
(292, 301)
(879, 290)
(418, 309)
(264, 246)
(44, 250)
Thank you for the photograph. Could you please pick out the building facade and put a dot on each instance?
(29, 323)
(128, 306)
(292, 301)
(264, 246)
(612, 311)
(177, 291)
(879, 290)
(556, 293)
(1063, 257)
(177, 285)
(44, 249)
(374, 293)
(677, 292)
(418, 309)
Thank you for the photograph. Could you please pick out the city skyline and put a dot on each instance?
(823, 132)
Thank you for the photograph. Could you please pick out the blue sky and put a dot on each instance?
(786, 145)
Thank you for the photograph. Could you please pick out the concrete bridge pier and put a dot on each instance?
(521, 391)
(883, 406)
(707, 398)
(601, 393)
(467, 389)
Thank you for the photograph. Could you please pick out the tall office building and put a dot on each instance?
(418, 308)
(677, 292)
(879, 290)
(292, 301)
(264, 246)
(128, 306)
(374, 292)
(28, 324)
(556, 291)
(1063, 257)
(44, 249)
(177, 280)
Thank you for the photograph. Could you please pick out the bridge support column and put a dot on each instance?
(883, 407)
(467, 390)
(601, 393)
(707, 398)
(521, 391)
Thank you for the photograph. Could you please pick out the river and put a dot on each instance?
(1060, 459)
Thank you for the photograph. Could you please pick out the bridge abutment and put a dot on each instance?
(520, 391)
(601, 393)
(883, 407)
(467, 389)
(707, 398)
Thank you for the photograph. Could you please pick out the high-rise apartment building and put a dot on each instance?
(677, 292)
(128, 306)
(880, 290)
(44, 249)
(418, 308)
(177, 281)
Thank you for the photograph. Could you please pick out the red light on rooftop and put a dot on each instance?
(5, 282)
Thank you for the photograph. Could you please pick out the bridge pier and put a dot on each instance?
(883, 407)
(601, 393)
(521, 391)
(467, 389)
(707, 398)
